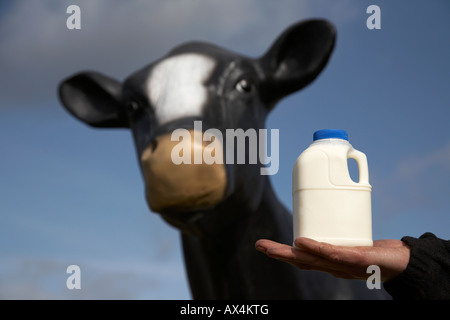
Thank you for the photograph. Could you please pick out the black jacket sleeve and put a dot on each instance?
(427, 275)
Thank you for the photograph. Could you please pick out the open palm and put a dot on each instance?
(392, 256)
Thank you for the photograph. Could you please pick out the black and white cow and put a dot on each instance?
(221, 209)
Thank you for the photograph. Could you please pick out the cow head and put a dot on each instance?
(199, 82)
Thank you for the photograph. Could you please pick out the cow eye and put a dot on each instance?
(244, 86)
(132, 106)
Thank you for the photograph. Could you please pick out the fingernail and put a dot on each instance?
(260, 248)
(297, 243)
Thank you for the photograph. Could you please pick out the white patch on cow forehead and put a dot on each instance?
(176, 86)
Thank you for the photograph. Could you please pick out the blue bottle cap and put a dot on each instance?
(330, 134)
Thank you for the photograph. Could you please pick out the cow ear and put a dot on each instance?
(94, 99)
(297, 57)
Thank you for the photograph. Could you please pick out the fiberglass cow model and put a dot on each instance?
(220, 209)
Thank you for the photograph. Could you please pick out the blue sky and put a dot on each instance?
(70, 194)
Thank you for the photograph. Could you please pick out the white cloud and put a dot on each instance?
(415, 183)
(45, 278)
(118, 37)
(416, 166)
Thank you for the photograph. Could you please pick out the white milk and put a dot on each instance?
(328, 205)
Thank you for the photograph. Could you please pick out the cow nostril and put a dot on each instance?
(153, 145)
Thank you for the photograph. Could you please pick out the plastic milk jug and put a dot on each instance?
(328, 205)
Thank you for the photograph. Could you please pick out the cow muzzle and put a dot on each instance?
(182, 187)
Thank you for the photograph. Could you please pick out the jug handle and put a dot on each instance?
(361, 159)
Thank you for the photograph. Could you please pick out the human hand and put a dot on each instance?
(392, 256)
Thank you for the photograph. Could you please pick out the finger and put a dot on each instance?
(304, 259)
(264, 244)
(389, 243)
(301, 258)
(298, 255)
(307, 261)
(336, 254)
(279, 251)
